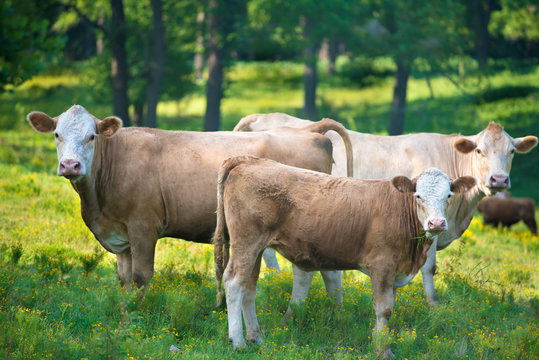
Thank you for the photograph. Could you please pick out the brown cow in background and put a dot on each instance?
(508, 210)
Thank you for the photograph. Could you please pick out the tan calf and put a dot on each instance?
(382, 227)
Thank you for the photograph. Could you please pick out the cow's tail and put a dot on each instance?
(325, 125)
(245, 123)
(220, 241)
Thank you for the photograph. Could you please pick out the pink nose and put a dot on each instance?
(437, 224)
(70, 168)
(499, 181)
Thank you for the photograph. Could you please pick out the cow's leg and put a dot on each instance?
(254, 335)
(142, 253)
(238, 278)
(234, 293)
(300, 287)
(271, 260)
(428, 270)
(384, 299)
(125, 273)
(333, 282)
(530, 222)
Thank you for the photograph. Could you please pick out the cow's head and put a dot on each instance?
(433, 190)
(493, 150)
(76, 131)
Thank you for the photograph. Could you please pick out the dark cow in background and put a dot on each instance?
(486, 156)
(507, 210)
(320, 222)
(137, 185)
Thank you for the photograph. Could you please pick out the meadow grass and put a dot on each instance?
(51, 307)
(59, 293)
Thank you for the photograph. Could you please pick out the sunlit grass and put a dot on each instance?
(487, 283)
(49, 308)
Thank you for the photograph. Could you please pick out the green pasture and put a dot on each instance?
(60, 296)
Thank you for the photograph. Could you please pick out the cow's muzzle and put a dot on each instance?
(70, 168)
(436, 225)
(498, 182)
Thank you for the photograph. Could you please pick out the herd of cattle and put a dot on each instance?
(324, 197)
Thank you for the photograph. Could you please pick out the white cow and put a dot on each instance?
(486, 156)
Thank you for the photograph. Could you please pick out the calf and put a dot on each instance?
(137, 185)
(382, 227)
(508, 211)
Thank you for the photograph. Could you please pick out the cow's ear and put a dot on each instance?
(403, 184)
(109, 126)
(464, 145)
(41, 121)
(525, 144)
(463, 184)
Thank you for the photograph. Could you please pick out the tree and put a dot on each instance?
(517, 19)
(225, 18)
(483, 9)
(407, 30)
(305, 23)
(149, 72)
(214, 86)
(119, 70)
(155, 76)
(26, 35)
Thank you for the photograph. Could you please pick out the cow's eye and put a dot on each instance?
(56, 135)
(478, 151)
(512, 151)
(449, 196)
(417, 197)
(91, 138)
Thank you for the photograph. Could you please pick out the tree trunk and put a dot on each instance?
(310, 79)
(333, 52)
(310, 75)
(398, 106)
(199, 49)
(119, 70)
(138, 116)
(214, 86)
(483, 9)
(157, 64)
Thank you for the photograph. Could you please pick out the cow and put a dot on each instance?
(486, 156)
(508, 211)
(383, 228)
(137, 185)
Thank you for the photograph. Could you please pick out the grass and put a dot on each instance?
(52, 306)
(60, 296)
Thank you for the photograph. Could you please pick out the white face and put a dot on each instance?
(75, 142)
(492, 160)
(433, 192)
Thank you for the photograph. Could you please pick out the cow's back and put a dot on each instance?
(317, 221)
(170, 177)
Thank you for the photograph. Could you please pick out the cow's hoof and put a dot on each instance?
(386, 354)
(434, 303)
(255, 339)
(238, 343)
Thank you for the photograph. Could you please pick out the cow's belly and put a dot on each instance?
(402, 279)
(111, 235)
(115, 242)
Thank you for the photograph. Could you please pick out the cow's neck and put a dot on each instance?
(90, 197)
(462, 207)
(459, 164)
